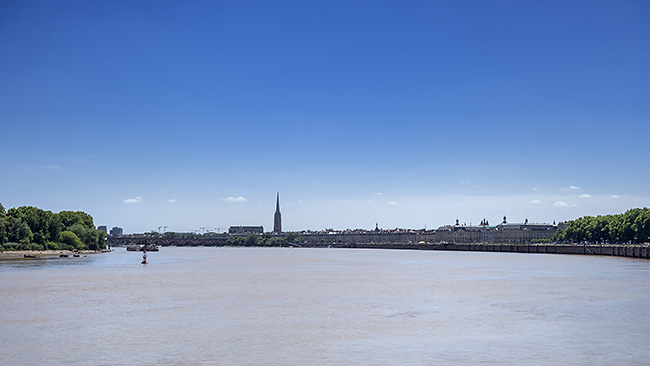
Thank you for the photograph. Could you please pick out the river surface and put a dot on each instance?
(282, 306)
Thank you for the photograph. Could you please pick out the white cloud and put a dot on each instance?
(377, 193)
(574, 188)
(173, 200)
(393, 203)
(53, 167)
(560, 204)
(614, 196)
(586, 195)
(534, 188)
(536, 202)
(133, 200)
(234, 199)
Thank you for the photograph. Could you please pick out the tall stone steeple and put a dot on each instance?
(277, 219)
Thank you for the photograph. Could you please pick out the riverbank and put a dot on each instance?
(43, 254)
(619, 250)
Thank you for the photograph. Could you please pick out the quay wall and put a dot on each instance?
(619, 250)
(416, 241)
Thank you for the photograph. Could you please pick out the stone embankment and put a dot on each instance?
(619, 250)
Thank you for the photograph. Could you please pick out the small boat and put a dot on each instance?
(29, 256)
(142, 247)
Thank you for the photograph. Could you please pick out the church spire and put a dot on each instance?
(277, 219)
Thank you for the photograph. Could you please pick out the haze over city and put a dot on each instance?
(154, 114)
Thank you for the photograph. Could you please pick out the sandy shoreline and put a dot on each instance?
(40, 254)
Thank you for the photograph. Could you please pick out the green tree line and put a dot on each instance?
(632, 226)
(253, 240)
(264, 240)
(30, 228)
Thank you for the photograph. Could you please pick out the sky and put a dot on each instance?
(192, 116)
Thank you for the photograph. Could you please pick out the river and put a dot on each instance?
(283, 306)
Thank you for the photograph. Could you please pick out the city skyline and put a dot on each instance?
(154, 114)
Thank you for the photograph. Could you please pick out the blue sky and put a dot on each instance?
(148, 114)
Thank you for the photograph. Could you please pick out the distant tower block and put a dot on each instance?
(277, 220)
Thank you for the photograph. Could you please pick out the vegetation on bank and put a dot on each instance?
(250, 240)
(264, 240)
(30, 228)
(631, 227)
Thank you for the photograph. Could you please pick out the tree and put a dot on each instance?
(71, 239)
(633, 225)
(560, 235)
(19, 232)
(292, 237)
(275, 242)
(45, 225)
(4, 230)
(90, 237)
(69, 218)
(642, 226)
(235, 241)
(34, 229)
(54, 227)
(252, 240)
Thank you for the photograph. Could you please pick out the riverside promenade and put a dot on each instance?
(618, 250)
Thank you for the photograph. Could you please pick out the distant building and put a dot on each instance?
(277, 219)
(522, 232)
(102, 228)
(464, 234)
(503, 233)
(116, 231)
(242, 230)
